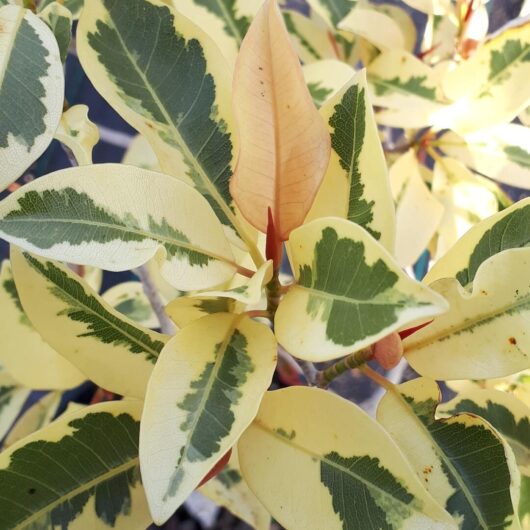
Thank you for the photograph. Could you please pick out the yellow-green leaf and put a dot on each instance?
(118, 217)
(205, 390)
(31, 90)
(356, 184)
(78, 133)
(285, 146)
(463, 462)
(484, 333)
(79, 472)
(23, 353)
(82, 327)
(185, 309)
(350, 475)
(349, 292)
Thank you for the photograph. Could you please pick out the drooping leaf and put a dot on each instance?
(490, 88)
(172, 85)
(78, 133)
(59, 20)
(463, 462)
(110, 349)
(502, 231)
(349, 292)
(353, 475)
(509, 415)
(31, 90)
(356, 184)
(284, 142)
(484, 333)
(34, 418)
(79, 472)
(248, 293)
(223, 364)
(24, 354)
(229, 489)
(118, 217)
(326, 78)
(501, 153)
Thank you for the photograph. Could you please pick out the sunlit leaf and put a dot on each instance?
(484, 333)
(79, 472)
(349, 292)
(464, 464)
(284, 142)
(350, 473)
(118, 217)
(223, 364)
(31, 91)
(82, 327)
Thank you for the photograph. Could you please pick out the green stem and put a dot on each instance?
(355, 360)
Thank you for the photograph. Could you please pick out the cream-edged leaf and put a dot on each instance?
(24, 354)
(83, 328)
(502, 231)
(172, 85)
(465, 198)
(31, 90)
(229, 489)
(484, 333)
(333, 11)
(141, 154)
(186, 309)
(12, 400)
(414, 201)
(349, 292)
(34, 418)
(223, 364)
(353, 476)
(81, 471)
(74, 6)
(377, 28)
(356, 185)
(326, 78)
(501, 153)
(509, 415)
(118, 217)
(463, 462)
(78, 134)
(284, 142)
(248, 293)
(59, 20)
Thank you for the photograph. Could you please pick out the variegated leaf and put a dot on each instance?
(509, 415)
(173, 86)
(403, 19)
(484, 333)
(130, 300)
(490, 88)
(79, 472)
(118, 217)
(248, 293)
(502, 231)
(464, 464)
(83, 328)
(333, 11)
(23, 353)
(229, 489)
(466, 200)
(349, 292)
(12, 399)
(34, 418)
(501, 153)
(31, 90)
(223, 365)
(59, 20)
(356, 184)
(78, 134)
(326, 78)
(74, 6)
(414, 201)
(185, 309)
(284, 142)
(353, 475)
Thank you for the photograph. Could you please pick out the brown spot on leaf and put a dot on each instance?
(512, 340)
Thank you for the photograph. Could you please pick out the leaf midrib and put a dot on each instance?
(321, 458)
(493, 80)
(73, 493)
(228, 19)
(396, 88)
